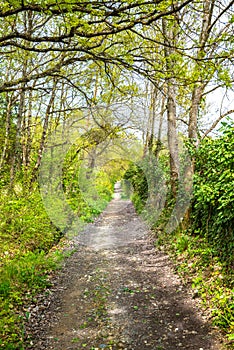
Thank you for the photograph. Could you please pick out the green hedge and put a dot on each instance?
(213, 201)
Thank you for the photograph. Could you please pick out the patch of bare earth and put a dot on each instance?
(117, 292)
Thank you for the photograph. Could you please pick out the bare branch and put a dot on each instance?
(217, 121)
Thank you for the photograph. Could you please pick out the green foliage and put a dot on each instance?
(211, 280)
(26, 234)
(137, 178)
(89, 186)
(21, 278)
(204, 253)
(24, 223)
(126, 189)
(212, 212)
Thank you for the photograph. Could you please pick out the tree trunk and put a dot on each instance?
(193, 115)
(199, 87)
(161, 115)
(150, 137)
(169, 38)
(10, 101)
(44, 132)
(17, 158)
(172, 139)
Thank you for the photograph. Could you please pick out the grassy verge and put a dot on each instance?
(29, 251)
(196, 262)
(22, 278)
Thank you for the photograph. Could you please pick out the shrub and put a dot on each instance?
(213, 202)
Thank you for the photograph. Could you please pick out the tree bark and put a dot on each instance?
(193, 114)
(161, 115)
(199, 87)
(10, 101)
(169, 38)
(44, 131)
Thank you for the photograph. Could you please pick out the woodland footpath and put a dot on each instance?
(92, 93)
(118, 292)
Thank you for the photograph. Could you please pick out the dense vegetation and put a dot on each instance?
(90, 91)
(213, 201)
(27, 240)
(203, 244)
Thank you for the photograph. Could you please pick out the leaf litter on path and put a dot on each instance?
(117, 292)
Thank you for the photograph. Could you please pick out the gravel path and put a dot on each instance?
(117, 292)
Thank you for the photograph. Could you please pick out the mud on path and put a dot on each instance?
(117, 292)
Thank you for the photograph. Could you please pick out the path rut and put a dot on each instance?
(117, 292)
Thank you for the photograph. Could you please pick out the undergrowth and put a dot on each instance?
(21, 279)
(27, 256)
(212, 281)
(202, 246)
(28, 240)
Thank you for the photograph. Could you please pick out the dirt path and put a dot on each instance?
(117, 292)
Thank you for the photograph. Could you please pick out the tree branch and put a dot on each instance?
(217, 121)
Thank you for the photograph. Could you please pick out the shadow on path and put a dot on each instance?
(117, 292)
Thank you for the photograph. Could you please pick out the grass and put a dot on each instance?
(199, 265)
(21, 279)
